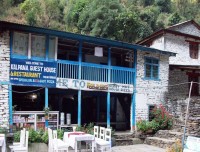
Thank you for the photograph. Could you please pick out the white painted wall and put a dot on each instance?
(4, 77)
(149, 92)
(158, 43)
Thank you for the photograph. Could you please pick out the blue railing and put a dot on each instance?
(95, 72)
(67, 69)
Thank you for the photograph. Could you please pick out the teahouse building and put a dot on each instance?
(184, 40)
(96, 80)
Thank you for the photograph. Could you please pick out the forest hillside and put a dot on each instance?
(124, 20)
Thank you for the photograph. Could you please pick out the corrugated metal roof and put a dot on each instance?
(79, 37)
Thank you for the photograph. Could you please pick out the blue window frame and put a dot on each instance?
(151, 68)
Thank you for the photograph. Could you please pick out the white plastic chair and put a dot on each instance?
(22, 148)
(96, 135)
(50, 136)
(104, 145)
(22, 137)
(22, 140)
(102, 133)
(58, 144)
(96, 131)
(3, 146)
(74, 128)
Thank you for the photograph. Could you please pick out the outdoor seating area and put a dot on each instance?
(22, 146)
(75, 140)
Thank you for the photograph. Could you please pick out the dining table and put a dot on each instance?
(73, 139)
(2, 143)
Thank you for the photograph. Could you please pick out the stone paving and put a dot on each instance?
(131, 148)
(137, 148)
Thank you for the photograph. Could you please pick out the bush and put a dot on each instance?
(161, 120)
(162, 117)
(86, 128)
(143, 125)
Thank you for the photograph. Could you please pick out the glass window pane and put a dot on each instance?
(52, 43)
(155, 61)
(155, 72)
(20, 44)
(148, 60)
(148, 71)
(38, 46)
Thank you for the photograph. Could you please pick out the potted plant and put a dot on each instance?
(46, 112)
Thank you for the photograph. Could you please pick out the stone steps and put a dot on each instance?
(164, 138)
(159, 142)
(130, 141)
(126, 138)
(169, 134)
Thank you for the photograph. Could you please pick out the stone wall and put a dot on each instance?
(150, 92)
(178, 108)
(4, 78)
(187, 28)
(178, 77)
(179, 45)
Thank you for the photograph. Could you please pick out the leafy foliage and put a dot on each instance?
(124, 20)
(162, 117)
(39, 136)
(162, 120)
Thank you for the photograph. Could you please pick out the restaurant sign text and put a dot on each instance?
(33, 73)
(93, 85)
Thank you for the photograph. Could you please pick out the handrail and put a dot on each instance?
(95, 72)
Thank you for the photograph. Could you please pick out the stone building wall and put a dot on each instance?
(187, 29)
(4, 78)
(150, 92)
(177, 76)
(179, 45)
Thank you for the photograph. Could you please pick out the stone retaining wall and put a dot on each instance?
(178, 108)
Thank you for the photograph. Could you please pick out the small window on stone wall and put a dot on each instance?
(151, 116)
(194, 50)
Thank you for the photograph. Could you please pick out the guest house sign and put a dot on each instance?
(93, 85)
(33, 73)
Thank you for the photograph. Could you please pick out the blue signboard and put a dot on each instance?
(33, 73)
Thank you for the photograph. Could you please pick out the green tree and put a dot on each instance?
(127, 24)
(72, 13)
(150, 15)
(164, 5)
(31, 9)
(98, 18)
(43, 13)
(174, 19)
(5, 5)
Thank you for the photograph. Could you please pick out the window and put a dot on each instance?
(151, 116)
(38, 46)
(52, 47)
(20, 44)
(194, 47)
(151, 68)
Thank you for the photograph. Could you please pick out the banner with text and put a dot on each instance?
(93, 85)
(33, 73)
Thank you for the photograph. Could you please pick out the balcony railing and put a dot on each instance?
(95, 72)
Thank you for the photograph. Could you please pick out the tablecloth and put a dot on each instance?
(76, 137)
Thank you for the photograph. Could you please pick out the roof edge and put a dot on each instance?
(79, 37)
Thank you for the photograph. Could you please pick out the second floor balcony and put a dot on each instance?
(95, 72)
